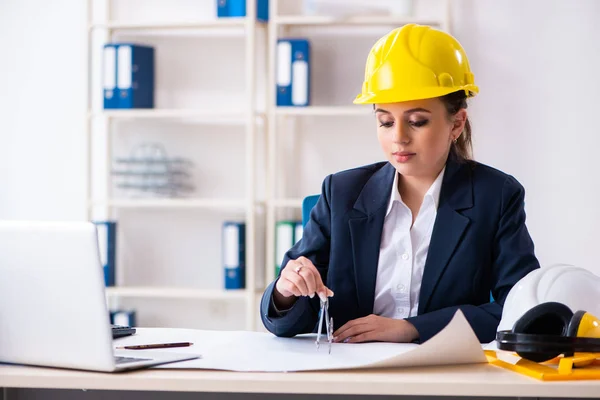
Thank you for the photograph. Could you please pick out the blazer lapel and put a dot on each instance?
(366, 226)
(449, 227)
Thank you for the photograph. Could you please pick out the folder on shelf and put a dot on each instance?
(284, 240)
(234, 254)
(128, 76)
(107, 244)
(135, 76)
(123, 317)
(109, 76)
(293, 72)
(237, 8)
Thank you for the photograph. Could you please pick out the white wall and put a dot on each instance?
(42, 109)
(535, 62)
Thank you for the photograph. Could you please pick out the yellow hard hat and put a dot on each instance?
(415, 62)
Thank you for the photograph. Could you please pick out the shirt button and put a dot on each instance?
(400, 288)
(400, 310)
(405, 256)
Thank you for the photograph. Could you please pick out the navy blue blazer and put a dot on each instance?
(479, 244)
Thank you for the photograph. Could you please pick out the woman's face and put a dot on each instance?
(416, 135)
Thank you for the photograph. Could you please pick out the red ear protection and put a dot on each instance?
(547, 331)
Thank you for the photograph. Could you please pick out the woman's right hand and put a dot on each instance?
(300, 278)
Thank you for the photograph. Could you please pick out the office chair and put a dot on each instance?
(307, 205)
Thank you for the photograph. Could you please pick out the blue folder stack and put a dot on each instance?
(234, 254)
(293, 72)
(123, 317)
(128, 76)
(107, 244)
(237, 8)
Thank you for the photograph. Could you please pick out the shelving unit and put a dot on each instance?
(171, 203)
(285, 203)
(323, 20)
(175, 293)
(209, 116)
(240, 22)
(280, 26)
(323, 111)
(248, 118)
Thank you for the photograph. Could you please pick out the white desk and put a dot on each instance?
(470, 380)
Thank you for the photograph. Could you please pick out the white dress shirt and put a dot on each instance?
(403, 252)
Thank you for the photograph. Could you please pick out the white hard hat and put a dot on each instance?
(575, 287)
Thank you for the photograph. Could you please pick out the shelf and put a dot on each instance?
(223, 27)
(175, 293)
(323, 20)
(171, 203)
(221, 117)
(287, 203)
(325, 111)
(228, 117)
(234, 22)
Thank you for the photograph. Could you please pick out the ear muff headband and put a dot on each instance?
(541, 348)
(573, 326)
(545, 319)
(547, 331)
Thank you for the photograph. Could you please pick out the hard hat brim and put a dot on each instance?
(392, 96)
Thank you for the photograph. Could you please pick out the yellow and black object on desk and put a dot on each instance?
(553, 343)
(582, 366)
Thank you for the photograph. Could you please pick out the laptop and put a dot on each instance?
(52, 303)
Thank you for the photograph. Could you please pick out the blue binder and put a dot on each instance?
(234, 254)
(135, 76)
(132, 80)
(293, 72)
(107, 244)
(123, 317)
(109, 76)
(237, 8)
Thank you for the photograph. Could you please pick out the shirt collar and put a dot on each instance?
(436, 188)
(433, 192)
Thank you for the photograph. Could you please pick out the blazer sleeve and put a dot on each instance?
(314, 245)
(513, 258)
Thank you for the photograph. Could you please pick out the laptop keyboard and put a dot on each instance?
(123, 360)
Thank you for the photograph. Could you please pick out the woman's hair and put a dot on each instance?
(463, 148)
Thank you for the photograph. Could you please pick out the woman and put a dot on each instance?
(400, 246)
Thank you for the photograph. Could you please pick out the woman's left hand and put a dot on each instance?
(374, 328)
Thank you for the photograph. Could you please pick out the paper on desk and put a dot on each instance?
(264, 352)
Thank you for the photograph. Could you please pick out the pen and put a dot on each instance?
(155, 346)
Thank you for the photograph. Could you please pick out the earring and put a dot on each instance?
(455, 140)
